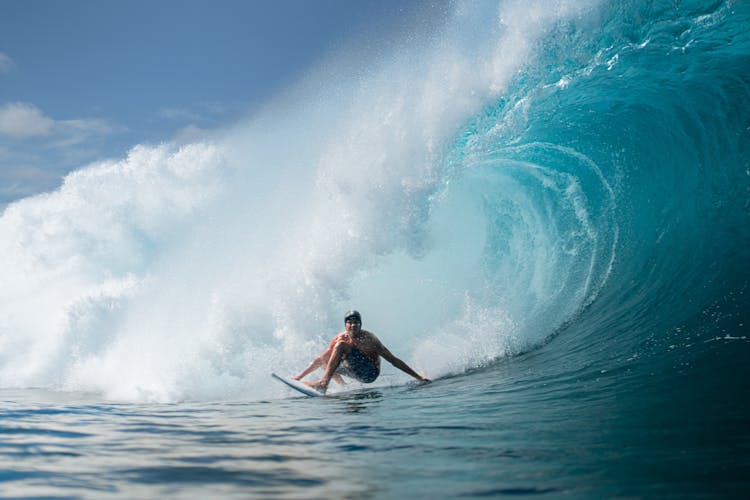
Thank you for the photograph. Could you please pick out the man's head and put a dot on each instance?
(353, 317)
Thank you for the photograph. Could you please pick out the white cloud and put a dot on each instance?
(6, 63)
(20, 119)
(24, 120)
(74, 132)
(179, 114)
(202, 112)
(31, 141)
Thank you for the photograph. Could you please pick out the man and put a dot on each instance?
(355, 353)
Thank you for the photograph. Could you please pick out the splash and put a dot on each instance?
(191, 272)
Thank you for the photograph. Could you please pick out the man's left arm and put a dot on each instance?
(388, 356)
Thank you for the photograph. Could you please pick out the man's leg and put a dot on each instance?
(340, 350)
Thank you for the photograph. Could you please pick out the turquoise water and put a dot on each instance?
(517, 429)
(548, 215)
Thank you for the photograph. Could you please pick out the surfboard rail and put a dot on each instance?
(297, 386)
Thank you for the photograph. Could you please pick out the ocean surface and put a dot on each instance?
(543, 206)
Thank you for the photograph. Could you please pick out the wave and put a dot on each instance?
(525, 170)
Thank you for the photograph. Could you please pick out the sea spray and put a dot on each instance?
(193, 271)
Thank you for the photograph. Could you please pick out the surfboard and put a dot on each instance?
(298, 386)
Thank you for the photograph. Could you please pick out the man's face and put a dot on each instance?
(353, 326)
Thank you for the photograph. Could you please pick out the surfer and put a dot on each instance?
(354, 353)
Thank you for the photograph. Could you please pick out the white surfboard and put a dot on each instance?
(298, 386)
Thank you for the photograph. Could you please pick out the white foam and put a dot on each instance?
(194, 271)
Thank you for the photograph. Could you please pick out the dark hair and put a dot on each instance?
(353, 315)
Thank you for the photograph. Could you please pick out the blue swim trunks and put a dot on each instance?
(357, 365)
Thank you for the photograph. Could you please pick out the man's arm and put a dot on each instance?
(321, 360)
(388, 356)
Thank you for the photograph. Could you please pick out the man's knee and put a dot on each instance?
(342, 347)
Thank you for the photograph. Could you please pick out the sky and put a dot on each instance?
(86, 80)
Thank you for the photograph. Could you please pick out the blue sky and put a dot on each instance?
(85, 80)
